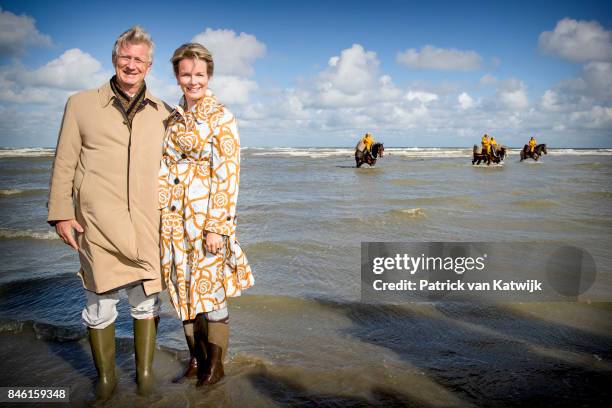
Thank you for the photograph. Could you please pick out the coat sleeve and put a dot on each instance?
(225, 177)
(60, 205)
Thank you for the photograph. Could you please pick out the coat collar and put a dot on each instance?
(204, 107)
(106, 95)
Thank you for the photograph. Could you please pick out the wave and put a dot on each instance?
(16, 192)
(305, 152)
(537, 203)
(11, 192)
(465, 200)
(409, 212)
(433, 152)
(6, 233)
(580, 152)
(488, 166)
(27, 152)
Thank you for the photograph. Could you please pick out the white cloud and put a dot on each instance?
(423, 97)
(512, 94)
(233, 54)
(598, 77)
(73, 70)
(465, 101)
(598, 117)
(352, 72)
(233, 89)
(52, 83)
(549, 101)
(447, 59)
(578, 41)
(19, 32)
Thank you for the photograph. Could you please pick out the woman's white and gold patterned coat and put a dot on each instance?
(198, 180)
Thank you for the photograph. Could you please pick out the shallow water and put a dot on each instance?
(301, 335)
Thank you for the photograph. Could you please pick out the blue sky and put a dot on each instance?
(321, 73)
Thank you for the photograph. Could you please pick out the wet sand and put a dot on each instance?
(383, 355)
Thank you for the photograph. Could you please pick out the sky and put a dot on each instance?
(322, 73)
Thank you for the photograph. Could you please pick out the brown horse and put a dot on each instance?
(535, 155)
(363, 156)
(500, 155)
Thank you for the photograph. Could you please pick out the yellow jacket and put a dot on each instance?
(532, 144)
(486, 144)
(368, 141)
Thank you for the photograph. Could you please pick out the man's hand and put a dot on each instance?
(214, 242)
(64, 230)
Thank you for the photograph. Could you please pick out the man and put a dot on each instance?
(368, 141)
(486, 144)
(104, 186)
(532, 144)
(493, 147)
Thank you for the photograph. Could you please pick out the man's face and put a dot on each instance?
(132, 65)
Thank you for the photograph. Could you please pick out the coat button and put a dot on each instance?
(173, 208)
(176, 180)
(183, 156)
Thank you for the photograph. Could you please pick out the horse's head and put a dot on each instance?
(543, 149)
(378, 150)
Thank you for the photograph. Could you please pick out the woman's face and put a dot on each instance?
(193, 79)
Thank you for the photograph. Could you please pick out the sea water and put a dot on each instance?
(302, 335)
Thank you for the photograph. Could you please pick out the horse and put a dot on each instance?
(535, 155)
(363, 156)
(499, 155)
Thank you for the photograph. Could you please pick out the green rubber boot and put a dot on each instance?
(102, 343)
(145, 331)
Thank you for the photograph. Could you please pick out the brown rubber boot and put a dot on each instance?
(200, 331)
(102, 343)
(144, 347)
(216, 346)
(192, 368)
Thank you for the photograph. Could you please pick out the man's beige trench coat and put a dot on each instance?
(106, 177)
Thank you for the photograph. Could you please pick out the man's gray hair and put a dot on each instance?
(135, 35)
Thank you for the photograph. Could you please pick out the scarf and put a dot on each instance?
(127, 105)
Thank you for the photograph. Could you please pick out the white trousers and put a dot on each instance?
(101, 310)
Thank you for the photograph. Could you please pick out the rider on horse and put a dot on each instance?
(367, 150)
(532, 144)
(494, 146)
(368, 141)
(486, 144)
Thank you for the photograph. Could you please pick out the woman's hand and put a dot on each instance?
(214, 242)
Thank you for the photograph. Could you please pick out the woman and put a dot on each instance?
(202, 263)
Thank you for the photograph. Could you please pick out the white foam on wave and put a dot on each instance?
(418, 152)
(435, 152)
(27, 152)
(10, 192)
(580, 152)
(6, 233)
(305, 152)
